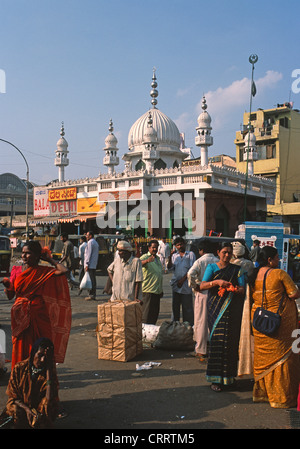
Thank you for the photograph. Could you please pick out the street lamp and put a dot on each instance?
(27, 179)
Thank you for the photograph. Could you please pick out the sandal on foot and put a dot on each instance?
(216, 388)
(201, 357)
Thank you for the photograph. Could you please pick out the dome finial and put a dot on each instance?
(154, 92)
(62, 129)
(111, 127)
(149, 123)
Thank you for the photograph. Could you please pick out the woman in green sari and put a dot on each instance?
(226, 289)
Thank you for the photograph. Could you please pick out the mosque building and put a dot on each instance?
(161, 189)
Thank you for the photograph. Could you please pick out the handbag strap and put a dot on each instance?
(263, 292)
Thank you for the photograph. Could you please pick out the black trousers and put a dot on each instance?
(92, 273)
(150, 308)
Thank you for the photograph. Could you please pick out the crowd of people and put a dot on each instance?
(216, 293)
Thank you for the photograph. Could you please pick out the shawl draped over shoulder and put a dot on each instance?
(42, 309)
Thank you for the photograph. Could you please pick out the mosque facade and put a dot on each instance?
(161, 189)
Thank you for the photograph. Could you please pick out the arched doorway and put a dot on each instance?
(222, 220)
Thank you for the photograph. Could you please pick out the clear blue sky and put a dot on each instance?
(84, 62)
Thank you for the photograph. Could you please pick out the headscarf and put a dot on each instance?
(123, 245)
(238, 249)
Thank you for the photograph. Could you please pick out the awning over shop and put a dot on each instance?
(77, 217)
(43, 220)
(55, 220)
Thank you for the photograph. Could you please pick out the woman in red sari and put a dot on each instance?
(42, 307)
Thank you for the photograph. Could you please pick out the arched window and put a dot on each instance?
(140, 165)
(175, 165)
(222, 220)
(159, 164)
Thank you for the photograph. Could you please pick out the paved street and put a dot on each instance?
(174, 396)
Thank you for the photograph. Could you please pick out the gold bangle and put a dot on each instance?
(211, 284)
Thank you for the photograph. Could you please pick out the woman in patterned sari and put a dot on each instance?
(225, 284)
(33, 389)
(276, 366)
(42, 307)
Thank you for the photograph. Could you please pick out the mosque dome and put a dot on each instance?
(166, 130)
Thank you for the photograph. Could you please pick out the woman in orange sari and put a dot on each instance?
(42, 307)
(276, 366)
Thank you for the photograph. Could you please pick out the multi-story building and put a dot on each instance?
(272, 150)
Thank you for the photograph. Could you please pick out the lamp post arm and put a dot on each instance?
(27, 179)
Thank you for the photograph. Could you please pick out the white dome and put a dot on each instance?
(62, 143)
(166, 130)
(111, 141)
(204, 120)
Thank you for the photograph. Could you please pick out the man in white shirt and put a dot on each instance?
(126, 274)
(91, 255)
(195, 275)
(182, 294)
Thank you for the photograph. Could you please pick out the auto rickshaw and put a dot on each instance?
(5, 255)
(107, 248)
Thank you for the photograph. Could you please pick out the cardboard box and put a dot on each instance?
(119, 330)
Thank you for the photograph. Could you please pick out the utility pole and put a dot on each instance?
(252, 59)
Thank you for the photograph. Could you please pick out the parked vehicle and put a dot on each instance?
(107, 247)
(193, 243)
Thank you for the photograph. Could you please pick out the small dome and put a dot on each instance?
(62, 143)
(150, 135)
(111, 140)
(204, 119)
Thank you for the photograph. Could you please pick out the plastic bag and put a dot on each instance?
(86, 283)
(175, 335)
(149, 332)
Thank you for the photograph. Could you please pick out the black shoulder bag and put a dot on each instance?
(265, 321)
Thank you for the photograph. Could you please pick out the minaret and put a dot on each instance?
(111, 159)
(61, 160)
(250, 151)
(150, 142)
(204, 138)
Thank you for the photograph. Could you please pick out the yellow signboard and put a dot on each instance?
(63, 194)
(89, 205)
